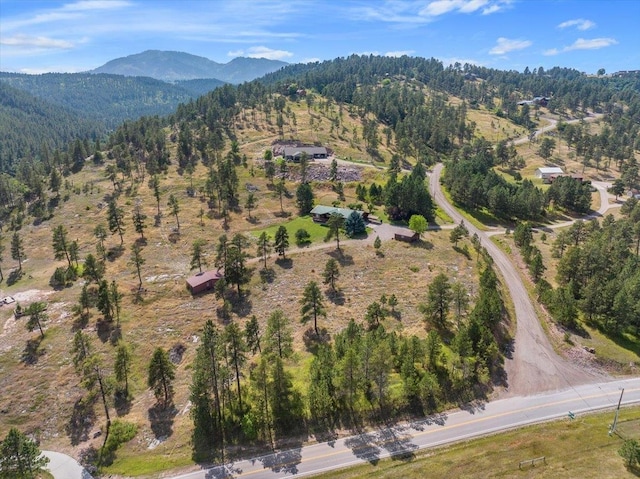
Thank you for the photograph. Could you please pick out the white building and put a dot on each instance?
(546, 172)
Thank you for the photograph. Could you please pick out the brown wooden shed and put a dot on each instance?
(204, 281)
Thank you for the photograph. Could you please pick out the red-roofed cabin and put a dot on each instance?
(202, 282)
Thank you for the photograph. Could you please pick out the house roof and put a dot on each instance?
(203, 277)
(550, 170)
(327, 210)
(309, 150)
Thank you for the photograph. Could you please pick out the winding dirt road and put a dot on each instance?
(534, 366)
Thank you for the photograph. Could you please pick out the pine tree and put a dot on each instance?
(250, 204)
(335, 223)
(20, 456)
(197, 255)
(139, 218)
(161, 375)
(312, 305)
(1, 257)
(61, 244)
(81, 349)
(17, 249)
(264, 247)
(137, 261)
(277, 337)
(281, 241)
(331, 273)
(236, 349)
(175, 209)
(101, 234)
(115, 217)
(252, 335)
(37, 316)
(122, 365)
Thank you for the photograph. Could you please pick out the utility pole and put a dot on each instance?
(615, 419)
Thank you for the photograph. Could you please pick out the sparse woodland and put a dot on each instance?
(312, 330)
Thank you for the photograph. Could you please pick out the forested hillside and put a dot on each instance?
(30, 125)
(109, 99)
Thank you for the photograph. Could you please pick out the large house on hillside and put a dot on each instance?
(294, 153)
(321, 213)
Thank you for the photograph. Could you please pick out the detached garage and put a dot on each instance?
(202, 282)
(548, 171)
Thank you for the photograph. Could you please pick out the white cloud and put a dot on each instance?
(582, 44)
(579, 23)
(414, 13)
(261, 52)
(440, 7)
(592, 44)
(85, 5)
(37, 42)
(399, 53)
(506, 45)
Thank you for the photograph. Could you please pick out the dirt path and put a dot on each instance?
(534, 366)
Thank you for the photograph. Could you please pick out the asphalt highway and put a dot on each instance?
(402, 440)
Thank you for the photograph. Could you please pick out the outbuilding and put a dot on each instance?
(203, 281)
(546, 172)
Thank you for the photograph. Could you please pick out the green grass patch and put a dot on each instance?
(316, 231)
(579, 448)
(443, 217)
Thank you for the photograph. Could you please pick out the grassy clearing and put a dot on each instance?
(572, 449)
(315, 230)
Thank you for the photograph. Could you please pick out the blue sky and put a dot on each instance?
(78, 35)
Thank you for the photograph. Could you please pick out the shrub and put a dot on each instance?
(302, 237)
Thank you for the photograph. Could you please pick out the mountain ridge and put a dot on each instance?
(171, 66)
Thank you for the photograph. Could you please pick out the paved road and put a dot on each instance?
(429, 432)
(62, 466)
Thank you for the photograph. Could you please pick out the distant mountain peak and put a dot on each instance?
(174, 66)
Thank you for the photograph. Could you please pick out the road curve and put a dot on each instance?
(62, 466)
(432, 431)
(533, 366)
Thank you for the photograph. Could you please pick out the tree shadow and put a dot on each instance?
(141, 242)
(283, 462)
(157, 220)
(161, 419)
(241, 304)
(464, 251)
(423, 244)
(174, 237)
(81, 421)
(116, 335)
(114, 253)
(104, 329)
(285, 263)
(122, 402)
(472, 406)
(14, 277)
(336, 296)
(225, 471)
(80, 321)
(267, 275)
(31, 352)
(341, 257)
(364, 447)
